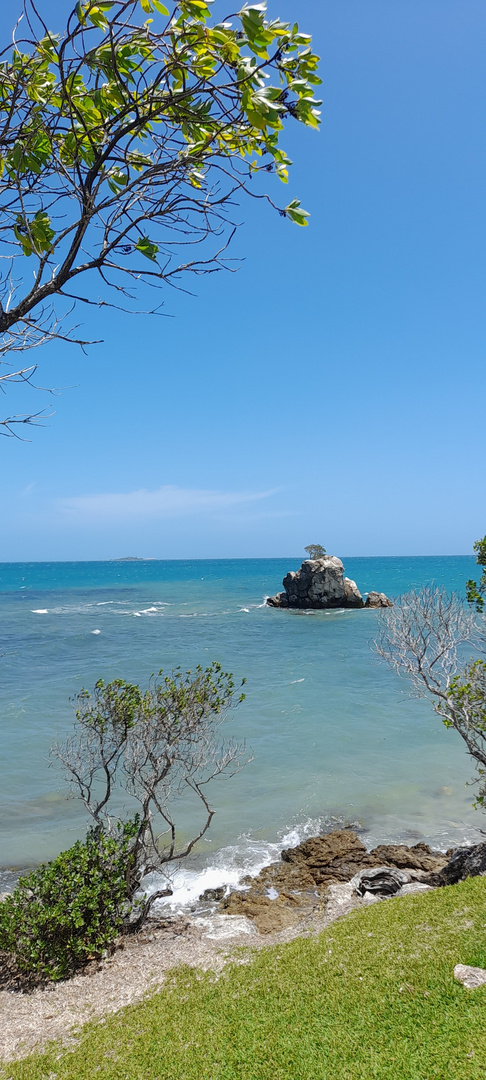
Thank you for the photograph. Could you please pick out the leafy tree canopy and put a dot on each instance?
(125, 141)
(315, 551)
(475, 593)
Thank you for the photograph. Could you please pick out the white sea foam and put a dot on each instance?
(96, 631)
(227, 868)
(40, 611)
(296, 681)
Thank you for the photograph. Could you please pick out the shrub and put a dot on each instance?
(154, 745)
(68, 911)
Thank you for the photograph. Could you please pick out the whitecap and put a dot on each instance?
(40, 611)
(96, 631)
(296, 681)
(229, 866)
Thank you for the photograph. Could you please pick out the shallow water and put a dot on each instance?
(335, 735)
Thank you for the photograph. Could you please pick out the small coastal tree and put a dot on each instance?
(158, 746)
(475, 593)
(422, 638)
(155, 745)
(126, 141)
(315, 551)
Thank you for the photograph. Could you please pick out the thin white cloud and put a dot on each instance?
(166, 502)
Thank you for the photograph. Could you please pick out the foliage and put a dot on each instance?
(154, 746)
(467, 704)
(422, 638)
(315, 551)
(372, 996)
(125, 142)
(69, 911)
(475, 593)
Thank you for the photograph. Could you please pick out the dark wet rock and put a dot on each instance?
(213, 894)
(377, 600)
(280, 600)
(465, 862)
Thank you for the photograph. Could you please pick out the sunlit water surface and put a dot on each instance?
(335, 735)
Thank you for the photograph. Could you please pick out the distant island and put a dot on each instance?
(131, 558)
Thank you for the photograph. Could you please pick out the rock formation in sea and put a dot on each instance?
(320, 584)
(377, 600)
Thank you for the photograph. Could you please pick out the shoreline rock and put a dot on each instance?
(320, 585)
(306, 877)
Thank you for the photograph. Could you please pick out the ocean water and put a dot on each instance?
(335, 736)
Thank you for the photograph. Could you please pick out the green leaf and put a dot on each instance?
(96, 16)
(147, 248)
(146, 6)
(197, 8)
(296, 213)
(160, 7)
(249, 8)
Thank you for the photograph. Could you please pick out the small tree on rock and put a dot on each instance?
(315, 551)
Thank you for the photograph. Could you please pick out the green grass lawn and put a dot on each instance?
(372, 998)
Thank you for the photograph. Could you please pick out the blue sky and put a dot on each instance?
(333, 389)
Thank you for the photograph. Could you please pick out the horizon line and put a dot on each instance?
(226, 558)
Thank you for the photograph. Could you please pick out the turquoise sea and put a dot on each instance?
(335, 735)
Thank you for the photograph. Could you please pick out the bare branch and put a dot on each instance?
(154, 746)
(122, 143)
(423, 638)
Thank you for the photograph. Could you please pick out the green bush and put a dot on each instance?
(69, 911)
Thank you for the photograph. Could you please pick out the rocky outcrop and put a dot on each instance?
(286, 892)
(377, 600)
(465, 862)
(339, 855)
(320, 583)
